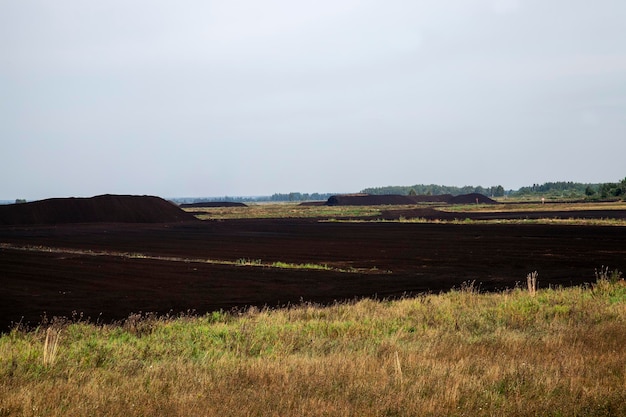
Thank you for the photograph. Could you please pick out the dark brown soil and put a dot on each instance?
(400, 259)
(434, 214)
(442, 198)
(99, 209)
(473, 198)
(396, 199)
(368, 200)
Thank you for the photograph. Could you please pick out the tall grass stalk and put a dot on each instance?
(398, 369)
(51, 345)
(531, 281)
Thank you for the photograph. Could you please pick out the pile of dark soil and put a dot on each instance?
(396, 199)
(213, 204)
(473, 198)
(100, 209)
(443, 198)
(368, 200)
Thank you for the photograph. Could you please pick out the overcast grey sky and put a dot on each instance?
(243, 97)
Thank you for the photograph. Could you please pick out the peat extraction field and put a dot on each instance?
(105, 271)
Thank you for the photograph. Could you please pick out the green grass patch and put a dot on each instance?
(288, 265)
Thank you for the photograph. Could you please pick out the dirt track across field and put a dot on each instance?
(106, 271)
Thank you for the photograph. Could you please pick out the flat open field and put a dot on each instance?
(108, 270)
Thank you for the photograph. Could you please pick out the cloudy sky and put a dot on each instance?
(244, 97)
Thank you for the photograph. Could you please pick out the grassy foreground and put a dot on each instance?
(559, 352)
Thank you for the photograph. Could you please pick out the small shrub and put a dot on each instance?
(139, 324)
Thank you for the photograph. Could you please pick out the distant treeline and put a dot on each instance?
(278, 197)
(613, 189)
(562, 189)
(432, 189)
(300, 197)
(575, 190)
(559, 189)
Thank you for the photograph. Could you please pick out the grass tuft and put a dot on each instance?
(51, 346)
(611, 277)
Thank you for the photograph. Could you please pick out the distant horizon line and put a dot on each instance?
(260, 196)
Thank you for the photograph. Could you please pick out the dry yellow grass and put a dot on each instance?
(284, 210)
(559, 353)
(554, 206)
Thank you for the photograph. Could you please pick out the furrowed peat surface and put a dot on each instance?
(107, 270)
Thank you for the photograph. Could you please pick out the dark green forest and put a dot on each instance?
(555, 190)
(561, 189)
(610, 189)
(607, 190)
(432, 189)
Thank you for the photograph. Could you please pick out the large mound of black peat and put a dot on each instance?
(397, 199)
(100, 209)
